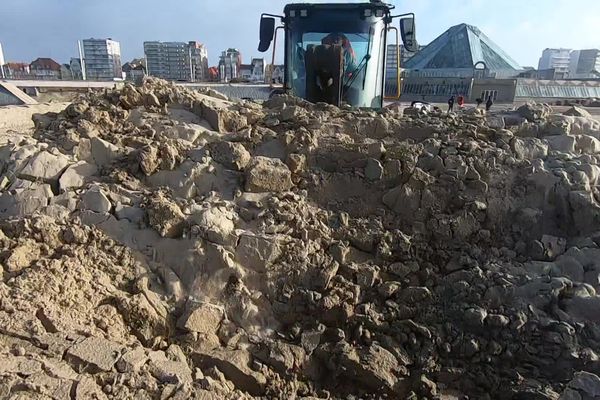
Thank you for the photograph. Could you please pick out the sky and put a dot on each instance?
(51, 28)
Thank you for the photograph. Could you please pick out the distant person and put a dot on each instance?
(479, 101)
(461, 101)
(451, 104)
(489, 103)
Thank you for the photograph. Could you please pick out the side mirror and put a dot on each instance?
(409, 36)
(267, 31)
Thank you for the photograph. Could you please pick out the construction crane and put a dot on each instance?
(336, 52)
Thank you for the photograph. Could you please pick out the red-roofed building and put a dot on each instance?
(45, 68)
(15, 70)
(213, 74)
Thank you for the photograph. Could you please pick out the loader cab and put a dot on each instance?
(335, 53)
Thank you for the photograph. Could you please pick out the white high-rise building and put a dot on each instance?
(177, 61)
(391, 63)
(573, 61)
(199, 61)
(585, 64)
(557, 59)
(102, 59)
(75, 65)
(230, 64)
(258, 70)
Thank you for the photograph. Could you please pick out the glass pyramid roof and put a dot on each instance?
(462, 46)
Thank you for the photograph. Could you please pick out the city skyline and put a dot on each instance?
(30, 29)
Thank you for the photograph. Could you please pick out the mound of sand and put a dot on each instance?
(161, 243)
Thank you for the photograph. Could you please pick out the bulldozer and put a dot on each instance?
(336, 52)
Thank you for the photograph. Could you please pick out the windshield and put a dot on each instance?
(361, 42)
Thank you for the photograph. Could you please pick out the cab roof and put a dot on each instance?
(337, 6)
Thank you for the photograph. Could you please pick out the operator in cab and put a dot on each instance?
(342, 40)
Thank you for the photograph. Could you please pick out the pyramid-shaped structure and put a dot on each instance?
(460, 48)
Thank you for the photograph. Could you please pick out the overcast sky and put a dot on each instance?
(51, 28)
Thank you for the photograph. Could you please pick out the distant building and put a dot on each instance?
(557, 59)
(545, 74)
(135, 70)
(258, 70)
(573, 63)
(391, 66)
(585, 64)
(45, 68)
(199, 61)
(275, 74)
(392, 54)
(462, 51)
(17, 70)
(76, 72)
(213, 74)
(391, 62)
(245, 72)
(177, 61)
(102, 59)
(230, 63)
(65, 72)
